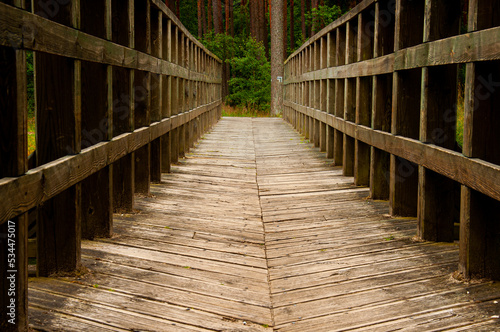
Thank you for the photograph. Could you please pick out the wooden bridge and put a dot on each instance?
(120, 221)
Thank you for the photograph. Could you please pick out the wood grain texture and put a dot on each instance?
(40, 184)
(255, 231)
(61, 40)
(473, 172)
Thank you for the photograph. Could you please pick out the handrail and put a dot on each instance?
(122, 90)
(377, 90)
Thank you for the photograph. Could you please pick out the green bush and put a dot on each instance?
(250, 85)
(322, 16)
(31, 83)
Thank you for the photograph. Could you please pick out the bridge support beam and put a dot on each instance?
(406, 111)
(437, 199)
(13, 162)
(479, 214)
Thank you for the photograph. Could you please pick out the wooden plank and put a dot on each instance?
(332, 26)
(325, 251)
(449, 163)
(61, 40)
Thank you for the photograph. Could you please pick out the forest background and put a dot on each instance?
(238, 32)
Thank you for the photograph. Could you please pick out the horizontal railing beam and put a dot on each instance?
(20, 194)
(472, 172)
(39, 34)
(471, 47)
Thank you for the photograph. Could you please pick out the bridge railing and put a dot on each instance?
(380, 91)
(122, 89)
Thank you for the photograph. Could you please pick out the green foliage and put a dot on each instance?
(222, 45)
(188, 14)
(250, 85)
(322, 16)
(31, 83)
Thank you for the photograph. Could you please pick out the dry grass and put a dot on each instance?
(242, 112)
(460, 116)
(31, 134)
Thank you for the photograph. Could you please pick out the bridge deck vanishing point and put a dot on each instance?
(253, 231)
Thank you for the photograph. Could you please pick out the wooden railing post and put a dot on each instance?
(479, 214)
(350, 97)
(381, 100)
(436, 199)
(122, 104)
(97, 213)
(142, 95)
(166, 106)
(58, 107)
(405, 109)
(338, 147)
(98, 86)
(363, 101)
(13, 162)
(174, 93)
(330, 90)
(402, 79)
(156, 92)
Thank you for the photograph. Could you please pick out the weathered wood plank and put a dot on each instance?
(229, 232)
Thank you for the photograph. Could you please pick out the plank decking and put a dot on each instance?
(256, 231)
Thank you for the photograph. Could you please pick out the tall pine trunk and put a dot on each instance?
(209, 19)
(217, 10)
(203, 17)
(285, 31)
(276, 57)
(254, 17)
(303, 18)
(292, 25)
(200, 18)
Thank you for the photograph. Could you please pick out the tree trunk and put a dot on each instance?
(263, 25)
(253, 6)
(200, 18)
(231, 16)
(170, 5)
(322, 3)
(277, 57)
(204, 17)
(209, 12)
(228, 16)
(303, 18)
(260, 20)
(178, 8)
(226, 67)
(217, 16)
(292, 25)
(285, 31)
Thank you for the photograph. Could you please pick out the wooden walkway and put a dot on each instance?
(255, 231)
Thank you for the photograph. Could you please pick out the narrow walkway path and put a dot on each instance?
(254, 230)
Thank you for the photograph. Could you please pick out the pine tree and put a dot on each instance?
(277, 56)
